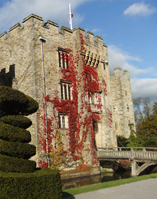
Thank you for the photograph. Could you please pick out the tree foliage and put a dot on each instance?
(57, 153)
(122, 141)
(146, 123)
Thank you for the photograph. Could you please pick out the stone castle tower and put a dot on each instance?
(72, 68)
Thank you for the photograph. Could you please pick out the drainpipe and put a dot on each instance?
(42, 39)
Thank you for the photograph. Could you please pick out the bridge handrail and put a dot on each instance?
(128, 148)
(128, 154)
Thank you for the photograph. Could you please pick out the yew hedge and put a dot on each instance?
(14, 134)
(41, 184)
(17, 121)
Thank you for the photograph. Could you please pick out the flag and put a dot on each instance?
(70, 16)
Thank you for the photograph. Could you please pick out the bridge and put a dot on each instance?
(145, 155)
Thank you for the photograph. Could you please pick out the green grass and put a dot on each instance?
(94, 187)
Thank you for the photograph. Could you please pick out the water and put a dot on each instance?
(104, 177)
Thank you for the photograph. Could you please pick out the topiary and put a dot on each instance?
(14, 134)
(11, 100)
(17, 121)
(14, 148)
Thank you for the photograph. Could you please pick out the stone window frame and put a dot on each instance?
(95, 126)
(65, 90)
(63, 121)
(63, 58)
(93, 99)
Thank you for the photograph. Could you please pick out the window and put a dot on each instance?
(91, 60)
(63, 121)
(95, 126)
(127, 107)
(63, 57)
(10, 53)
(65, 89)
(94, 99)
(129, 123)
(116, 125)
(114, 108)
(104, 65)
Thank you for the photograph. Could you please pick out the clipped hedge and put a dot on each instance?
(17, 149)
(14, 134)
(32, 106)
(12, 164)
(17, 121)
(42, 184)
(12, 100)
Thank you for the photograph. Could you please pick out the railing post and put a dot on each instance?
(144, 150)
(133, 168)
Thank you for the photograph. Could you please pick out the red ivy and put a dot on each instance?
(90, 82)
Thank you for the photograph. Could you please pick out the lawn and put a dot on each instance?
(94, 187)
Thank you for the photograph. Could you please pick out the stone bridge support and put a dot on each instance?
(136, 169)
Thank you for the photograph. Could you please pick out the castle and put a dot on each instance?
(68, 73)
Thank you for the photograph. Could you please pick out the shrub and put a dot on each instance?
(32, 106)
(14, 148)
(12, 164)
(14, 134)
(17, 121)
(17, 149)
(42, 184)
(11, 100)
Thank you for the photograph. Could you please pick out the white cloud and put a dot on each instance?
(144, 88)
(56, 10)
(118, 58)
(141, 9)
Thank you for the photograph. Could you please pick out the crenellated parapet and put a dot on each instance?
(4, 35)
(37, 22)
(119, 73)
(65, 30)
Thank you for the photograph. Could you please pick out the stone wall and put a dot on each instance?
(123, 114)
(24, 49)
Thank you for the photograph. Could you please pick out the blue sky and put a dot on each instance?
(128, 28)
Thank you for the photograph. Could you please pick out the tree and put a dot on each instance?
(147, 130)
(57, 154)
(155, 108)
(142, 109)
(134, 140)
(146, 122)
(122, 141)
(14, 138)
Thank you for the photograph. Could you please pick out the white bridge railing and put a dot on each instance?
(145, 154)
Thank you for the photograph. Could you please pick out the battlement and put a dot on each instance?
(38, 22)
(4, 35)
(119, 73)
(32, 16)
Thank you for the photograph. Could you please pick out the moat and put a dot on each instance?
(94, 179)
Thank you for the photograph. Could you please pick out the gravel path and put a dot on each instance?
(145, 189)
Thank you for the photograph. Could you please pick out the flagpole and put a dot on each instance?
(70, 18)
